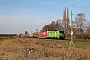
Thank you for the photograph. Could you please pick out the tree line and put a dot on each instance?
(79, 24)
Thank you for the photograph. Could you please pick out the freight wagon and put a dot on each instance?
(28, 35)
(36, 35)
(44, 34)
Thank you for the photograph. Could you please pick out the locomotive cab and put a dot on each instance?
(62, 35)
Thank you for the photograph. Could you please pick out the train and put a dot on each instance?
(56, 34)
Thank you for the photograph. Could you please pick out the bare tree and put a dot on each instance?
(58, 25)
(80, 22)
(45, 28)
(26, 32)
(65, 20)
(88, 28)
(53, 26)
(36, 30)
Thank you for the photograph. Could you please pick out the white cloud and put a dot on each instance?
(72, 2)
(27, 10)
(47, 3)
(84, 4)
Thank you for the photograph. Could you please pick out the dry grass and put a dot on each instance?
(16, 49)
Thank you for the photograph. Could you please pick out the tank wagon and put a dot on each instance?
(44, 34)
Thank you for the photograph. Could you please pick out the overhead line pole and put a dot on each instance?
(71, 30)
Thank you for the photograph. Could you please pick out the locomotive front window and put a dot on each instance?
(61, 31)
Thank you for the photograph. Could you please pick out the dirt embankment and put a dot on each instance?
(38, 49)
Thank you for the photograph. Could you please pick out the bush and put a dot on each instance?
(79, 36)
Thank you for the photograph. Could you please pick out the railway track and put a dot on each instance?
(81, 41)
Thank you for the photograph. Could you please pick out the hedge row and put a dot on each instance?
(80, 36)
(8, 35)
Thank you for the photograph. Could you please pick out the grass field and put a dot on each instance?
(82, 45)
(42, 49)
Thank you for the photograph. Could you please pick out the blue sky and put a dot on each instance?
(17, 16)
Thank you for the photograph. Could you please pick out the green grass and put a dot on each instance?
(2, 39)
(75, 45)
(83, 46)
(75, 39)
(0, 59)
(63, 43)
